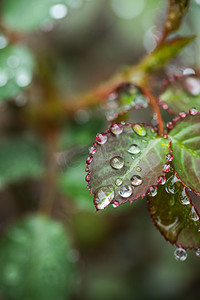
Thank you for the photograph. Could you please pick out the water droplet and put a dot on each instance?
(139, 129)
(180, 254)
(193, 86)
(195, 216)
(58, 11)
(123, 123)
(23, 78)
(182, 114)
(3, 78)
(188, 71)
(166, 168)
(13, 61)
(117, 162)
(119, 181)
(3, 41)
(172, 185)
(103, 196)
(161, 180)
(116, 129)
(136, 180)
(184, 198)
(86, 169)
(139, 169)
(87, 178)
(197, 252)
(115, 204)
(193, 111)
(169, 157)
(153, 191)
(169, 125)
(101, 138)
(134, 149)
(125, 191)
(92, 150)
(89, 159)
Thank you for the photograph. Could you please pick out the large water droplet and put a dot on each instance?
(125, 191)
(117, 162)
(134, 149)
(139, 129)
(116, 129)
(172, 185)
(194, 214)
(103, 196)
(180, 254)
(184, 198)
(119, 181)
(197, 252)
(101, 138)
(136, 180)
(193, 111)
(182, 114)
(153, 191)
(188, 71)
(58, 11)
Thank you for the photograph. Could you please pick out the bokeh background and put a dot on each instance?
(113, 254)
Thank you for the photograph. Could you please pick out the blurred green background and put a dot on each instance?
(49, 51)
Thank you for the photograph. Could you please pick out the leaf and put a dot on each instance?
(125, 98)
(16, 70)
(181, 94)
(125, 162)
(156, 59)
(174, 215)
(20, 158)
(37, 14)
(185, 141)
(175, 14)
(34, 261)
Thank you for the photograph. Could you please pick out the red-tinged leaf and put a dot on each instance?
(125, 98)
(185, 143)
(157, 59)
(175, 14)
(127, 163)
(181, 94)
(174, 215)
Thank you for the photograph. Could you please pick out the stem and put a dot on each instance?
(154, 104)
(49, 189)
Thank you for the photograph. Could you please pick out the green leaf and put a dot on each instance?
(185, 137)
(181, 94)
(157, 59)
(34, 261)
(20, 158)
(24, 16)
(174, 215)
(16, 70)
(127, 161)
(125, 98)
(175, 14)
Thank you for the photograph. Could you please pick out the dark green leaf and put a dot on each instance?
(126, 97)
(185, 137)
(181, 94)
(127, 162)
(16, 70)
(34, 261)
(174, 215)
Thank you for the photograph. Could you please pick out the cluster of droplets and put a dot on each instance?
(124, 98)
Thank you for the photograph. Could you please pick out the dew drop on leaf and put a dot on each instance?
(101, 138)
(166, 168)
(134, 149)
(125, 191)
(139, 129)
(138, 169)
(89, 159)
(103, 196)
(172, 185)
(118, 181)
(117, 162)
(136, 180)
(116, 129)
(184, 198)
(153, 191)
(161, 180)
(180, 254)
(194, 214)
(197, 252)
(169, 157)
(92, 150)
(115, 204)
(182, 114)
(193, 111)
